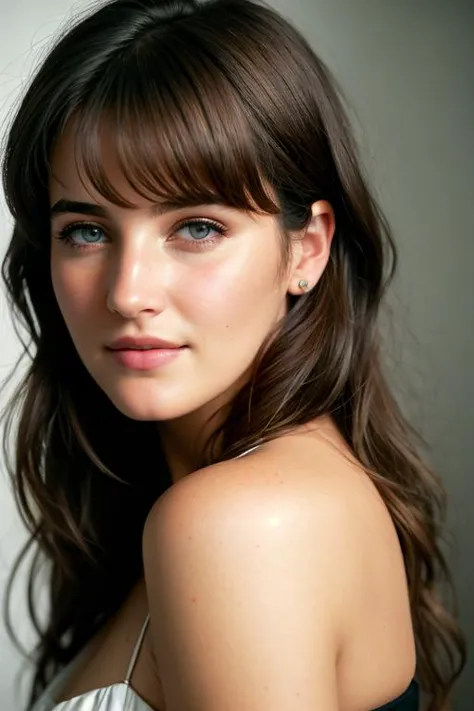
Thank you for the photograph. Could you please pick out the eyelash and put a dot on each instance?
(66, 232)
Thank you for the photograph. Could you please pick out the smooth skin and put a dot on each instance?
(274, 581)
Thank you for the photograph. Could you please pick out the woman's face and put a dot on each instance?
(142, 275)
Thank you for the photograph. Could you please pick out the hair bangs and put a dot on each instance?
(177, 130)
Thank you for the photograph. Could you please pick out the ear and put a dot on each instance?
(311, 248)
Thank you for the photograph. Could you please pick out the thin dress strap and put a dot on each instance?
(136, 651)
(246, 452)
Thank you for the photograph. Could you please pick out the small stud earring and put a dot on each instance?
(303, 284)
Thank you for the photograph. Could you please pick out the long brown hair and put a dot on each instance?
(208, 103)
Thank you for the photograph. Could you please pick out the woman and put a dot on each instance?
(183, 575)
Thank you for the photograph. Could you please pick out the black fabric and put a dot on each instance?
(408, 701)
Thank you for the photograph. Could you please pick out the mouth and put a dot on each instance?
(145, 358)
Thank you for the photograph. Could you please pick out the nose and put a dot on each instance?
(135, 287)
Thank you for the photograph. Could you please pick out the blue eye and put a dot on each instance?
(81, 234)
(199, 230)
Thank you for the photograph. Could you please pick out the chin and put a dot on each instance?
(147, 401)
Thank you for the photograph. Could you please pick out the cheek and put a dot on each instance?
(216, 293)
(76, 291)
(231, 294)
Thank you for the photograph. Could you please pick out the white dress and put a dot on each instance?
(116, 697)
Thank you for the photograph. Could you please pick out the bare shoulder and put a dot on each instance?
(256, 569)
(304, 491)
(276, 499)
(308, 484)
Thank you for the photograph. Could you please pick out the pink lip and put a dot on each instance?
(145, 360)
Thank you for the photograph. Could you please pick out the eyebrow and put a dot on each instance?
(89, 208)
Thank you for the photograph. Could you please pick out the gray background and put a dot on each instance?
(407, 68)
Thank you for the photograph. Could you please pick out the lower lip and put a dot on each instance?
(146, 359)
